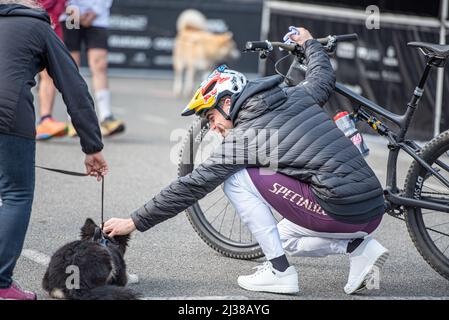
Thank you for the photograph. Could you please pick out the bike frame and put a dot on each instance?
(394, 198)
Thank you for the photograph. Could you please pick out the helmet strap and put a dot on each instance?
(223, 113)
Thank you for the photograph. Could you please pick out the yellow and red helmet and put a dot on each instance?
(220, 83)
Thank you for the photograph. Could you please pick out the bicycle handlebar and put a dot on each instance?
(269, 46)
(340, 38)
(347, 37)
(258, 45)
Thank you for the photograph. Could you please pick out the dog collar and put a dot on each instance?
(100, 238)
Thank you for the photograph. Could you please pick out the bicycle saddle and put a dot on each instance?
(432, 49)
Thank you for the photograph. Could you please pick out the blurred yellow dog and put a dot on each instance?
(197, 50)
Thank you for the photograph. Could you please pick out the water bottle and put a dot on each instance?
(346, 124)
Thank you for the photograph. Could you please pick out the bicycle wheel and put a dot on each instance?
(429, 229)
(213, 218)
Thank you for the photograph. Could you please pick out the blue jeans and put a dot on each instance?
(17, 158)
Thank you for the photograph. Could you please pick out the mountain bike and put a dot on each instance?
(423, 201)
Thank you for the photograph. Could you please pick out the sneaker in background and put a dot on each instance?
(50, 128)
(71, 132)
(111, 126)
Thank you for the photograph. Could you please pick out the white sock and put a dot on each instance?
(103, 98)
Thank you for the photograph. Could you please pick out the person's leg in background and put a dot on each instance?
(275, 275)
(76, 55)
(97, 56)
(72, 39)
(98, 65)
(96, 42)
(17, 178)
(48, 127)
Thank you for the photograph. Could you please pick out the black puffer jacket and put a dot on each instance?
(306, 144)
(28, 44)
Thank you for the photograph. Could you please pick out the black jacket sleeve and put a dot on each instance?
(182, 193)
(320, 76)
(80, 105)
(185, 191)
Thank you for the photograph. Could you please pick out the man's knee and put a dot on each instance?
(287, 239)
(98, 64)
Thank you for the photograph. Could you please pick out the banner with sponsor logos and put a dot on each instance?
(416, 8)
(142, 32)
(379, 66)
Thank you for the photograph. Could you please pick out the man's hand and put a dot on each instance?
(96, 166)
(87, 19)
(302, 37)
(119, 227)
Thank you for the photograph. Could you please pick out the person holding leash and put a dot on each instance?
(329, 197)
(28, 45)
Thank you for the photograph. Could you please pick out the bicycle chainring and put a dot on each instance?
(395, 212)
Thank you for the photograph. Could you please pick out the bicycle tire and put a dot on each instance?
(195, 214)
(414, 216)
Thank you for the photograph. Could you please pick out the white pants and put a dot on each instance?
(275, 237)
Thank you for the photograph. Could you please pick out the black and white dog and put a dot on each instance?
(92, 268)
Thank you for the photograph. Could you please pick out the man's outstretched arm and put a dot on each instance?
(179, 195)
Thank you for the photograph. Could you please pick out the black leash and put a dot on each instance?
(79, 174)
(70, 173)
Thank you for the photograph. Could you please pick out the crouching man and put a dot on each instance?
(329, 197)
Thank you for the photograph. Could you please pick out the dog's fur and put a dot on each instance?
(197, 50)
(102, 269)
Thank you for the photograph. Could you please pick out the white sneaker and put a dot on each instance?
(268, 279)
(365, 263)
